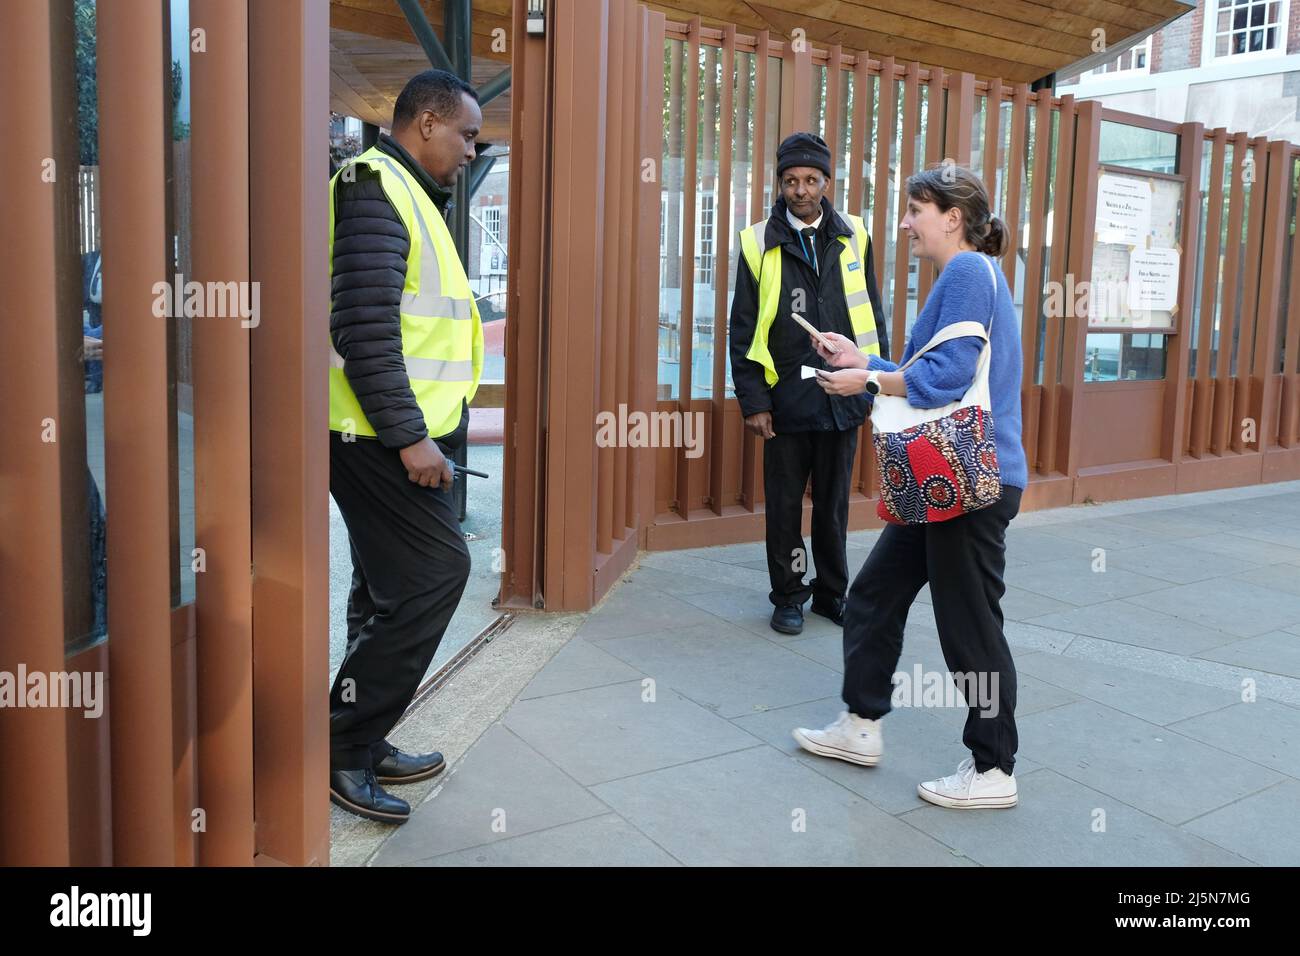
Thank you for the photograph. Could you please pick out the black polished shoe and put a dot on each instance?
(357, 791)
(832, 608)
(788, 619)
(400, 767)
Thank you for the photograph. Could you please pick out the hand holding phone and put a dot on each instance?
(826, 343)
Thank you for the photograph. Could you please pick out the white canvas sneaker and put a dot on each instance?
(968, 790)
(850, 738)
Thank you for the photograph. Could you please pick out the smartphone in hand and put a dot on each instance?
(826, 343)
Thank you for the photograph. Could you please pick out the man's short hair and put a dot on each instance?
(435, 90)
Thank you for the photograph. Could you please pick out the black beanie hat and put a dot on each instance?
(803, 149)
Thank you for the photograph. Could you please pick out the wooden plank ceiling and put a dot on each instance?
(1017, 40)
(373, 51)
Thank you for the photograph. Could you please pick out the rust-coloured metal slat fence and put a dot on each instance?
(1184, 414)
(1040, 156)
(211, 742)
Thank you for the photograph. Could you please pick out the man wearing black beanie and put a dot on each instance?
(807, 259)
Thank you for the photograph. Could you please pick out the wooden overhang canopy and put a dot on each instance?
(373, 50)
(1020, 41)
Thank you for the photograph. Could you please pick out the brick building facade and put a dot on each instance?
(1229, 63)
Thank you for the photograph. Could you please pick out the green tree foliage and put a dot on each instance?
(87, 93)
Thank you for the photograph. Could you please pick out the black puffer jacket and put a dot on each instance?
(799, 404)
(370, 248)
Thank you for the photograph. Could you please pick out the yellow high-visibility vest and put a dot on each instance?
(442, 335)
(765, 266)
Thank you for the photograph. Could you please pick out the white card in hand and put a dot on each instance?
(807, 371)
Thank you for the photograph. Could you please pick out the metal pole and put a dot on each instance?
(478, 171)
(456, 28)
(494, 87)
(433, 48)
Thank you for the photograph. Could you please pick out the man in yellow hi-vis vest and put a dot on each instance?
(406, 350)
(807, 259)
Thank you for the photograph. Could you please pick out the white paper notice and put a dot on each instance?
(1153, 279)
(1123, 210)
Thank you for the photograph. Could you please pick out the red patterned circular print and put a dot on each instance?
(940, 492)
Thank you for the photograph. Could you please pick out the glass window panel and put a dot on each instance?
(86, 622)
(705, 190)
(743, 169)
(843, 147)
(670, 284)
(180, 331)
(977, 139)
(818, 113)
(1044, 239)
(1127, 357)
(1288, 252)
(869, 157)
(1137, 147)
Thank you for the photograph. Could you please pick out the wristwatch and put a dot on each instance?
(873, 383)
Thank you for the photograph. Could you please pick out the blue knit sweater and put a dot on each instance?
(964, 292)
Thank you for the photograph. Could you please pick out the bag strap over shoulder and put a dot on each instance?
(959, 330)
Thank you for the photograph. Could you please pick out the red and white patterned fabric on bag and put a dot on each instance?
(938, 463)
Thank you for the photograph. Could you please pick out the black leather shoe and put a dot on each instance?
(400, 767)
(788, 619)
(358, 792)
(832, 608)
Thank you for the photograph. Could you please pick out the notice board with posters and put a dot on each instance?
(1136, 255)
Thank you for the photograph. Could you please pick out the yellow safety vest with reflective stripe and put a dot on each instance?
(442, 335)
(765, 265)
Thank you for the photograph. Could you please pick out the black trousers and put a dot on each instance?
(409, 568)
(788, 461)
(963, 560)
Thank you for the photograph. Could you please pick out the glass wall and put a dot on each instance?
(87, 621)
(1129, 356)
(180, 378)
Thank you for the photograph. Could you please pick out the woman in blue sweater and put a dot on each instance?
(947, 222)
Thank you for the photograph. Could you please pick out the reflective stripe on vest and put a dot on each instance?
(765, 265)
(443, 355)
(429, 300)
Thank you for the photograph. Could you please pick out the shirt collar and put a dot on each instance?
(798, 225)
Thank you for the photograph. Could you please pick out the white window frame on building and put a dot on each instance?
(1114, 68)
(1209, 40)
(492, 218)
(705, 247)
(663, 240)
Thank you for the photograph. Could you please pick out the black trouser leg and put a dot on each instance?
(832, 467)
(966, 558)
(412, 556)
(875, 615)
(361, 607)
(787, 463)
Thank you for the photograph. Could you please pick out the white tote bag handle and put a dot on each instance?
(893, 413)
